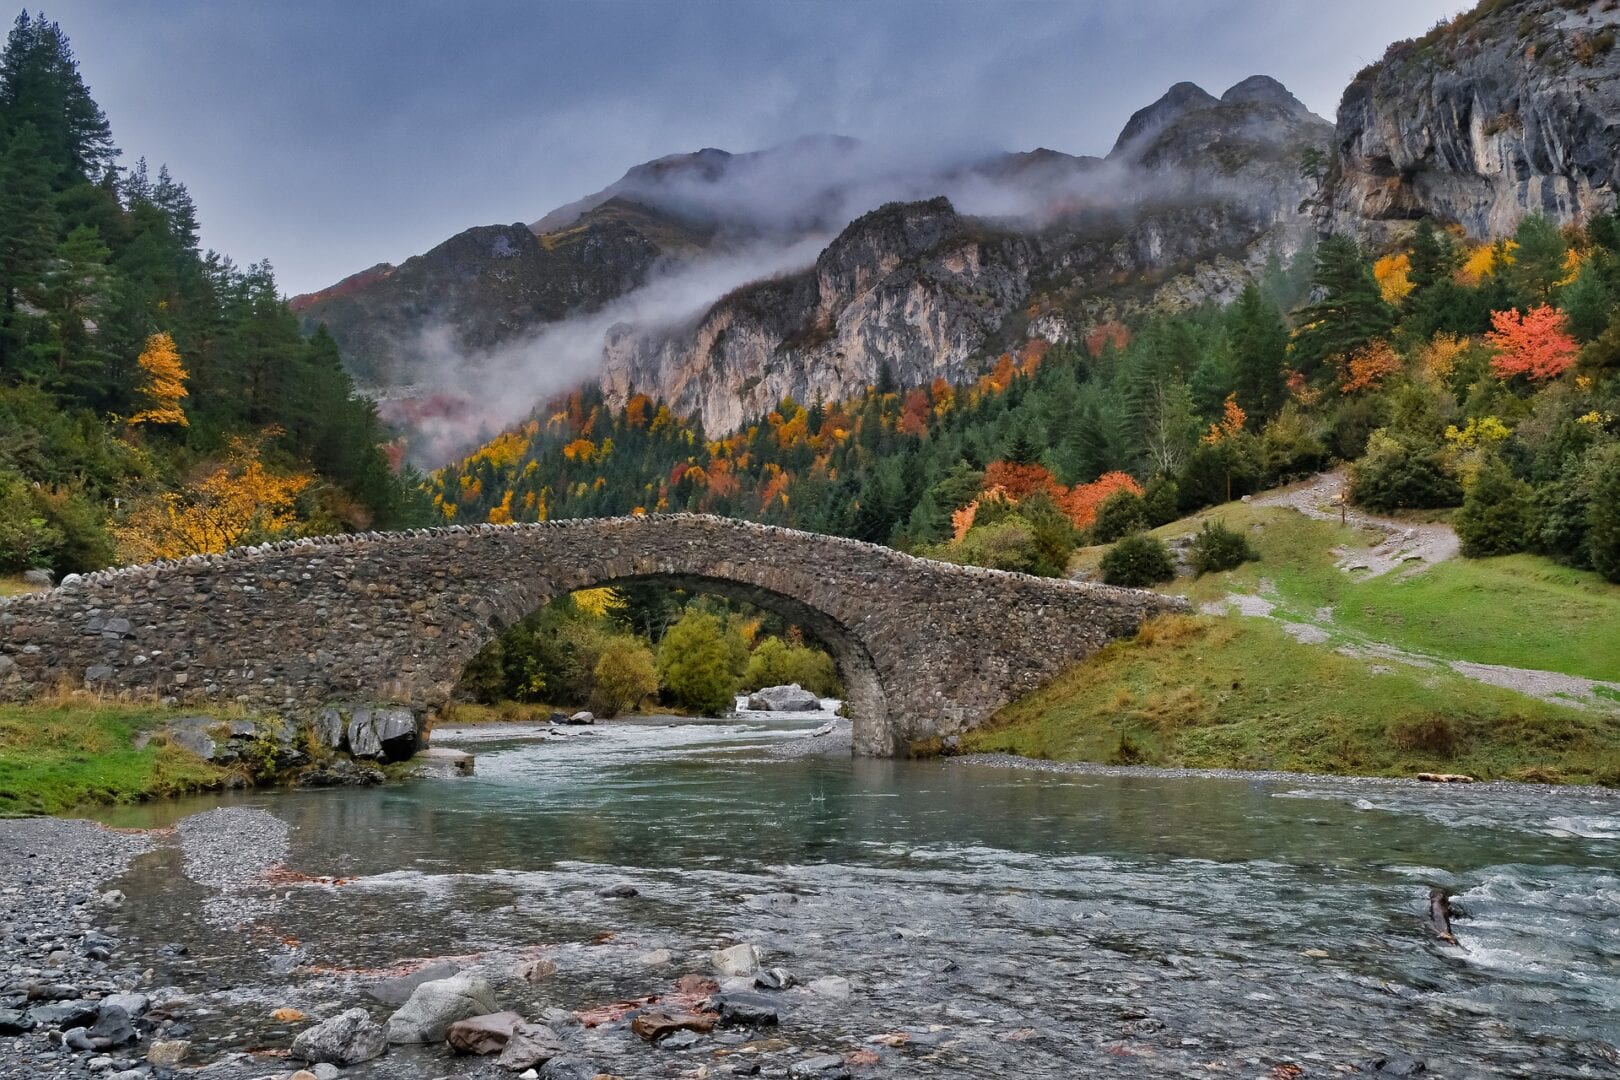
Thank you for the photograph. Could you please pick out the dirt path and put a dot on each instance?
(1414, 547)
(1403, 544)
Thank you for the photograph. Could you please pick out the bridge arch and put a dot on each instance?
(927, 648)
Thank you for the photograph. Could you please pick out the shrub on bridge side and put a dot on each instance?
(694, 664)
(1137, 561)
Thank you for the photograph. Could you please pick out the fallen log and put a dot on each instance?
(1444, 778)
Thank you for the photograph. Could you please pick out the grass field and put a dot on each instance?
(13, 585)
(1519, 610)
(54, 757)
(1240, 693)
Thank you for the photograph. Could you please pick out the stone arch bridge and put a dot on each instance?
(925, 648)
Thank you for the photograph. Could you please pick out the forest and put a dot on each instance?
(1477, 382)
(156, 400)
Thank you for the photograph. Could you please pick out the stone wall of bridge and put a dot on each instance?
(926, 649)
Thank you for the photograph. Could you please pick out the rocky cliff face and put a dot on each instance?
(1194, 196)
(1509, 109)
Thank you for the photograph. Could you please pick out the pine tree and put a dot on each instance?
(1433, 257)
(40, 87)
(1259, 345)
(27, 235)
(1350, 313)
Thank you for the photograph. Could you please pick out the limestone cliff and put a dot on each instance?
(1508, 109)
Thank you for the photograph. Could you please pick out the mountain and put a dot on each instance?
(813, 289)
(1507, 109)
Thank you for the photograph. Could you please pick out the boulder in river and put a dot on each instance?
(529, 1045)
(433, 1006)
(482, 1035)
(582, 717)
(569, 1067)
(348, 1038)
(737, 960)
(790, 698)
(112, 1028)
(654, 1024)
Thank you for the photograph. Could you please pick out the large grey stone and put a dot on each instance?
(790, 698)
(737, 960)
(43, 578)
(348, 1038)
(328, 728)
(398, 990)
(362, 739)
(434, 1006)
(530, 1045)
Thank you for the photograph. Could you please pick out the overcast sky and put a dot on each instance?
(331, 136)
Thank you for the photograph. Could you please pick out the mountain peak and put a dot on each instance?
(1263, 89)
(1180, 99)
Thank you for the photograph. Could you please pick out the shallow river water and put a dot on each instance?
(992, 921)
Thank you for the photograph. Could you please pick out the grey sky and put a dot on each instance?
(331, 136)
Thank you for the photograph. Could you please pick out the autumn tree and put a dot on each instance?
(1536, 344)
(165, 383)
(236, 501)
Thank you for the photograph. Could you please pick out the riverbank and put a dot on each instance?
(57, 755)
(1209, 692)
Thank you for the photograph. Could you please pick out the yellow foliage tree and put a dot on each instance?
(234, 502)
(165, 384)
(1393, 274)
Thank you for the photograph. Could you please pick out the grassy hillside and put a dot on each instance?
(1241, 693)
(1519, 610)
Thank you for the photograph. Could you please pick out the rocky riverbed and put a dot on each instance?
(679, 899)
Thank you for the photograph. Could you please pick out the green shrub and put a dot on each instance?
(1495, 518)
(27, 538)
(1431, 734)
(1397, 474)
(1159, 502)
(624, 676)
(1603, 514)
(776, 663)
(694, 664)
(1137, 561)
(1121, 514)
(1009, 544)
(1218, 548)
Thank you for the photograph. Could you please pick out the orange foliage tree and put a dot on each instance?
(1231, 423)
(1369, 366)
(1107, 334)
(1019, 482)
(1536, 344)
(1084, 500)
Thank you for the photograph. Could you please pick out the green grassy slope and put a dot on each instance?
(1240, 693)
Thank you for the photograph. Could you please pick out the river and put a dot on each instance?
(990, 920)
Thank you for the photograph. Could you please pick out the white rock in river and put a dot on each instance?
(737, 960)
(790, 698)
(434, 1006)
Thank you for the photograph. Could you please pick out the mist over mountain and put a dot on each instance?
(629, 285)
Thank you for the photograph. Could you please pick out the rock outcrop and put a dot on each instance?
(1507, 110)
